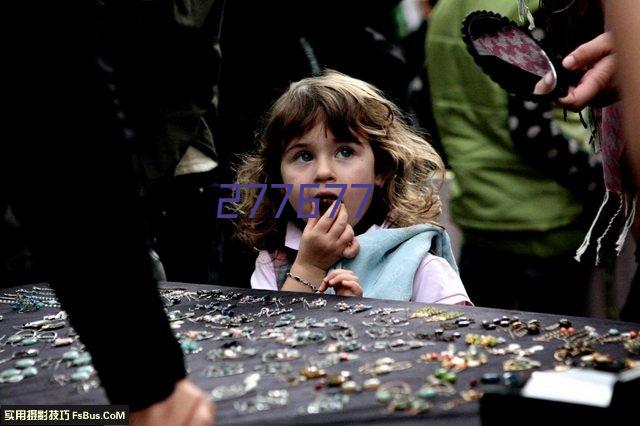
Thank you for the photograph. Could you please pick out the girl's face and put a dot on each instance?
(318, 158)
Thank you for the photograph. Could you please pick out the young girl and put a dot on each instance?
(330, 130)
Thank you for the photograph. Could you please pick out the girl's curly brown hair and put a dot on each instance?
(351, 108)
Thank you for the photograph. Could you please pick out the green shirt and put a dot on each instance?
(493, 190)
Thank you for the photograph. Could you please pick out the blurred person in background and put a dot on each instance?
(523, 178)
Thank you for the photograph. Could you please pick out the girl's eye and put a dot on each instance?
(345, 152)
(303, 156)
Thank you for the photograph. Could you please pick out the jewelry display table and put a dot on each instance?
(282, 358)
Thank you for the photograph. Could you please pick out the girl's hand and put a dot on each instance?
(326, 240)
(344, 282)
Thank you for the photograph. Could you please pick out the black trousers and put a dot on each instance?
(499, 279)
(631, 309)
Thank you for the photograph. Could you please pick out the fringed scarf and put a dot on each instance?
(611, 143)
(524, 12)
(618, 207)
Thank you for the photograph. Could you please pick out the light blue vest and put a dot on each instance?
(389, 259)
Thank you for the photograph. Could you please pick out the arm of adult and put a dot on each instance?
(623, 16)
(186, 406)
(69, 176)
(598, 85)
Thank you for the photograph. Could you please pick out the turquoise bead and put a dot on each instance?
(79, 376)
(70, 355)
(9, 373)
(14, 339)
(29, 341)
(82, 359)
(86, 368)
(189, 347)
(24, 363)
(13, 379)
(29, 371)
(427, 393)
(383, 396)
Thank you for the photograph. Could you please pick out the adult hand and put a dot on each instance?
(186, 406)
(343, 281)
(545, 85)
(598, 86)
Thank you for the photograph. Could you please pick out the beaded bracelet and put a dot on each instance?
(303, 281)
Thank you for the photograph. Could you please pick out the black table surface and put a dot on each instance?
(361, 407)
